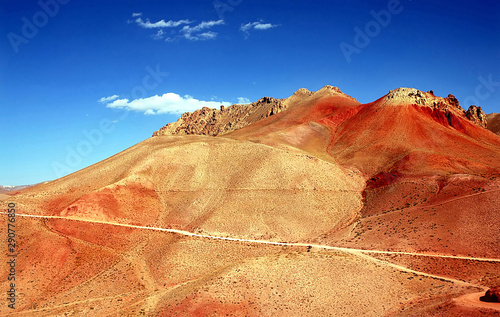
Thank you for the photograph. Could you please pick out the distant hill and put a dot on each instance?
(6, 189)
(494, 122)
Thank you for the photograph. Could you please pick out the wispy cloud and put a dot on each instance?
(259, 26)
(108, 99)
(179, 28)
(192, 33)
(205, 36)
(160, 24)
(243, 100)
(169, 103)
(159, 35)
(136, 14)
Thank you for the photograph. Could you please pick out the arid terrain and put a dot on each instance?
(312, 205)
(494, 122)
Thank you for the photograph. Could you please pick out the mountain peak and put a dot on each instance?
(331, 89)
(404, 96)
(325, 89)
(450, 104)
(303, 91)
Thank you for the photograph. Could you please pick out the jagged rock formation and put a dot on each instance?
(477, 115)
(401, 96)
(207, 121)
(493, 120)
(449, 105)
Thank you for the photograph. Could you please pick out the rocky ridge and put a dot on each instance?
(448, 105)
(208, 121)
(213, 122)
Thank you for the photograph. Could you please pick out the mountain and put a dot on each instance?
(494, 122)
(6, 189)
(310, 205)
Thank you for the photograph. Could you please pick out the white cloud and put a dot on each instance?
(243, 100)
(202, 25)
(207, 35)
(118, 103)
(167, 103)
(265, 26)
(107, 99)
(160, 24)
(246, 28)
(191, 33)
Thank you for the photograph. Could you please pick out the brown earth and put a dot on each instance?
(410, 173)
(494, 122)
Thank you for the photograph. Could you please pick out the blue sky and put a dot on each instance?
(83, 80)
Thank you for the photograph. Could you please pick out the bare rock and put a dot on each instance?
(212, 122)
(453, 101)
(492, 295)
(477, 115)
(448, 106)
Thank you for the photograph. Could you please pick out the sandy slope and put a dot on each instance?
(214, 185)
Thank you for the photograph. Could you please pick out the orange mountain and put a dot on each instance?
(305, 206)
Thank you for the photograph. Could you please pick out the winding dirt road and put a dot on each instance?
(192, 234)
(470, 300)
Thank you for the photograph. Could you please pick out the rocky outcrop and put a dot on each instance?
(406, 95)
(477, 115)
(401, 96)
(492, 295)
(448, 106)
(212, 122)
